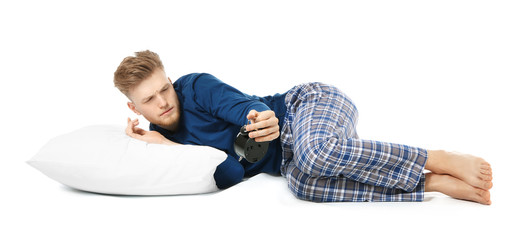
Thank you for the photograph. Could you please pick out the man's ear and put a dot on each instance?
(132, 107)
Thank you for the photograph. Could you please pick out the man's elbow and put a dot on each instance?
(228, 173)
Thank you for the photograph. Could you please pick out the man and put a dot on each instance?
(312, 134)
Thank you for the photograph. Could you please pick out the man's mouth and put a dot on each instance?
(167, 111)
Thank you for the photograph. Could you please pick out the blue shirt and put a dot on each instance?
(212, 114)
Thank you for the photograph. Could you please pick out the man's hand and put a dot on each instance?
(266, 125)
(147, 136)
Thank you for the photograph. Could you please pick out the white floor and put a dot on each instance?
(259, 208)
(439, 75)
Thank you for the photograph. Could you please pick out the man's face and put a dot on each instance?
(156, 100)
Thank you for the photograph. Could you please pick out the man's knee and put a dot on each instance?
(299, 184)
(317, 189)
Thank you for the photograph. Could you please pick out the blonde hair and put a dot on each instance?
(133, 70)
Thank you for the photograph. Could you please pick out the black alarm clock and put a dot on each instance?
(247, 148)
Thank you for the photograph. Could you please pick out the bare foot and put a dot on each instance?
(471, 169)
(456, 188)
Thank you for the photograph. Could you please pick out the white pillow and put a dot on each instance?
(104, 159)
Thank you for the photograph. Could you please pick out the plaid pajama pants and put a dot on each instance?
(325, 161)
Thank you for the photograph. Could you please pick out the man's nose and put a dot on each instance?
(161, 101)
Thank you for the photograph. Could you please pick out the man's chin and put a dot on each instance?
(169, 124)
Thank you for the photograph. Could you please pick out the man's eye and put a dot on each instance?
(164, 89)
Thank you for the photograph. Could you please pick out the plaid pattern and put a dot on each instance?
(324, 160)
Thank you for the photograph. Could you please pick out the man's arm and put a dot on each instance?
(226, 102)
(222, 100)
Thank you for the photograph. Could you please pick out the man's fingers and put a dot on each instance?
(261, 116)
(261, 119)
(264, 126)
(252, 115)
(131, 129)
(264, 132)
(265, 115)
(268, 138)
(271, 122)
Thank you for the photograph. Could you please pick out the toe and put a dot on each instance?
(487, 185)
(481, 183)
(485, 166)
(487, 178)
(484, 197)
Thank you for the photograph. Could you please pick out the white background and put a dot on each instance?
(435, 74)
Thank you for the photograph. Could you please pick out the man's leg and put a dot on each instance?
(341, 189)
(327, 167)
(319, 135)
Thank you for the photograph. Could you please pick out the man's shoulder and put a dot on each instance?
(190, 82)
(183, 83)
(189, 85)
(192, 77)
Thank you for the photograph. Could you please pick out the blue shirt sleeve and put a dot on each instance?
(228, 173)
(224, 101)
